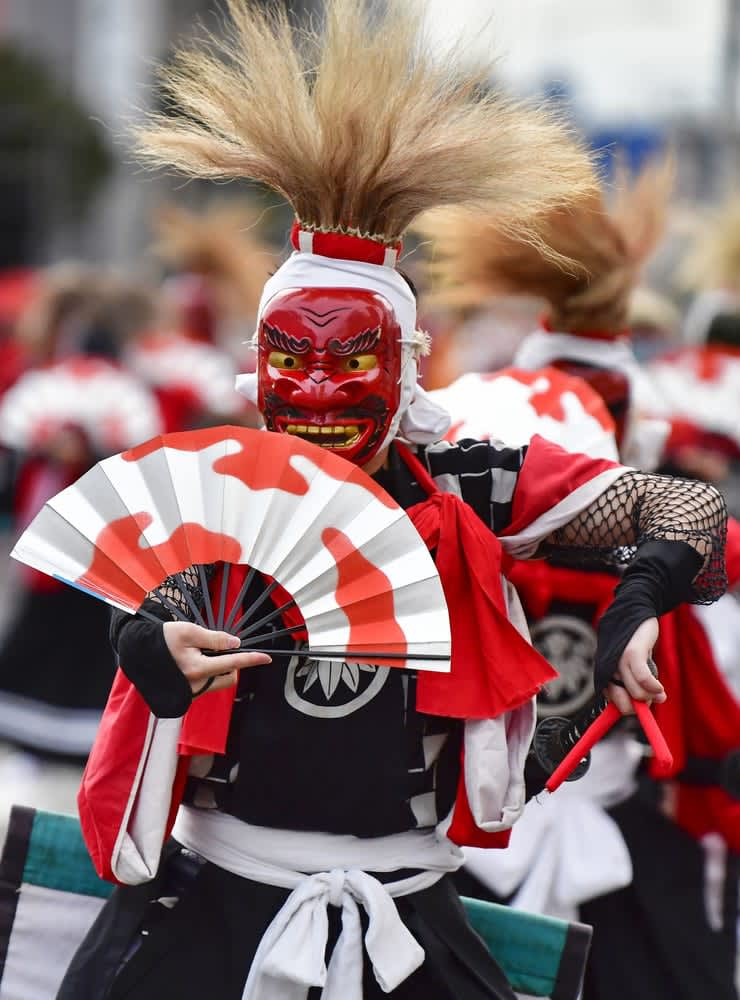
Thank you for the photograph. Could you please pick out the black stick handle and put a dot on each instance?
(555, 736)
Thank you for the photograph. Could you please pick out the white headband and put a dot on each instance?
(541, 347)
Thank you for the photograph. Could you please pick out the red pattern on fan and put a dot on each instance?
(182, 441)
(355, 576)
(121, 540)
(258, 477)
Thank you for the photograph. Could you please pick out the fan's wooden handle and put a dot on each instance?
(363, 657)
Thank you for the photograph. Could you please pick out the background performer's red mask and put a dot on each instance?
(329, 368)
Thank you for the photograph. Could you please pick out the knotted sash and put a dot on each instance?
(494, 669)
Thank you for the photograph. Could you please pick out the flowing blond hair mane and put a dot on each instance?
(713, 259)
(359, 126)
(603, 253)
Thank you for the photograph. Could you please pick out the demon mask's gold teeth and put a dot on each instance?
(330, 436)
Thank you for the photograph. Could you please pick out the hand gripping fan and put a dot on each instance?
(512, 404)
(347, 555)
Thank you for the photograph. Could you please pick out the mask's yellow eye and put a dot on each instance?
(288, 362)
(360, 363)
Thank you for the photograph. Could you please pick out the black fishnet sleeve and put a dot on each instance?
(173, 600)
(638, 508)
(144, 656)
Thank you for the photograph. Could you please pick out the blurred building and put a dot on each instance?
(636, 75)
(100, 54)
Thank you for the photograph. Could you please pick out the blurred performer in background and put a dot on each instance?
(16, 289)
(209, 308)
(380, 130)
(60, 418)
(567, 853)
(697, 386)
(217, 268)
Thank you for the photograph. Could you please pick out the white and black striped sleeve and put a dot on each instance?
(482, 474)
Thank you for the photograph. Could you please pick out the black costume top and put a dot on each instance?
(337, 747)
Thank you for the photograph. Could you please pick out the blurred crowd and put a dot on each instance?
(93, 362)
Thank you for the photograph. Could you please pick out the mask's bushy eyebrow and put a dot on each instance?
(284, 341)
(361, 342)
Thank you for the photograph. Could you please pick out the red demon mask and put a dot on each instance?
(329, 368)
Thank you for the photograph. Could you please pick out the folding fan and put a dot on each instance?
(511, 405)
(347, 555)
(113, 408)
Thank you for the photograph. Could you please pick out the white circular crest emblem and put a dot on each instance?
(331, 689)
(569, 644)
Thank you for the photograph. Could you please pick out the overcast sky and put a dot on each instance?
(634, 59)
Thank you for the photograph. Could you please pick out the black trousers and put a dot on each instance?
(204, 946)
(652, 940)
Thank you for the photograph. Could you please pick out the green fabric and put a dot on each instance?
(528, 947)
(57, 857)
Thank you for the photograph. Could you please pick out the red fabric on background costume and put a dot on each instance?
(701, 715)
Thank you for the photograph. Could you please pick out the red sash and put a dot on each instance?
(494, 669)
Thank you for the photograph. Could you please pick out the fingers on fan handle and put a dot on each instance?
(181, 637)
(206, 638)
(229, 662)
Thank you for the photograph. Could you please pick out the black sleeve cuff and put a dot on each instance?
(147, 662)
(119, 619)
(657, 580)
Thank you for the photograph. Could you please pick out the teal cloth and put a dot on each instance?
(529, 948)
(57, 857)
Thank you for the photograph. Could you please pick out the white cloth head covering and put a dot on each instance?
(541, 348)
(418, 418)
(644, 439)
(703, 309)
